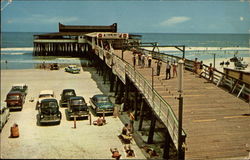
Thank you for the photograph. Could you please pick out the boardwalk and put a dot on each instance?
(214, 120)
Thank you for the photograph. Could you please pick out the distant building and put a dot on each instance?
(73, 40)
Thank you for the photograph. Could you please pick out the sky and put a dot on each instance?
(167, 16)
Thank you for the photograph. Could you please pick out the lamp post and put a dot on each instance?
(180, 90)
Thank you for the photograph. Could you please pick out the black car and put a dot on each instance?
(54, 66)
(49, 112)
(77, 107)
(66, 94)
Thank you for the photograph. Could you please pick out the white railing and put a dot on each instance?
(157, 103)
(162, 109)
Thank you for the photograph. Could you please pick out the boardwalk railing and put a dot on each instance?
(232, 84)
(161, 108)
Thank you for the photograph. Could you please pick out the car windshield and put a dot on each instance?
(102, 99)
(45, 95)
(77, 102)
(17, 88)
(70, 93)
(13, 97)
(49, 107)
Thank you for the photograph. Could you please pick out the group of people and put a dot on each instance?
(168, 69)
(198, 68)
(141, 59)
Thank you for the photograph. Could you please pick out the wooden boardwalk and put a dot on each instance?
(213, 119)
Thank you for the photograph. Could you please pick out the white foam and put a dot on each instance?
(15, 53)
(17, 49)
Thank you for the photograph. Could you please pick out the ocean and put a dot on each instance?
(17, 47)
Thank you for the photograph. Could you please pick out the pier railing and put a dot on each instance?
(232, 84)
(161, 108)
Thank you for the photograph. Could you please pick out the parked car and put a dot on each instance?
(48, 112)
(72, 69)
(65, 95)
(44, 94)
(101, 104)
(54, 66)
(20, 87)
(4, 115)
(15, 100)
(77, 107)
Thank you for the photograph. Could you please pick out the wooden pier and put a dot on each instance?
(216, 121)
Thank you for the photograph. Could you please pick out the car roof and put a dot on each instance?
(47, 92)
(72, 65)
(68, 90)
(49, 100)
(19, 84)
(76, 98)
(100, 95)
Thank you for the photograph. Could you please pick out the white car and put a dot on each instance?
(4, 115)
(44, 94)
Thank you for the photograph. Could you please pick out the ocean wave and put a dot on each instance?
(13, 53)
(17, 49)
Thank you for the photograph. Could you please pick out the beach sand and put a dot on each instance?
(60, 141)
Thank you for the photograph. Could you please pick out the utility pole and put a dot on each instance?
(181, 151)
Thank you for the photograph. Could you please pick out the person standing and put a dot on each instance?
(158, 67)
(149, 60)
(210, 72)
(168, 69)
(142, 60)
(174, 69)
(134, 59)
(195, 66)
(139, 58)
(131, 121)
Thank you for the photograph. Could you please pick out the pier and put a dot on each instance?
(215, 120)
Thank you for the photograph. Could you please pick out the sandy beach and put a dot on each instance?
(60, 141)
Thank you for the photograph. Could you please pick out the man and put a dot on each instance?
(158, 67)
(131, 120)
(149, 60)
(168, 68)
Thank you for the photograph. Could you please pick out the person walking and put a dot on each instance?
(174, 69)
(158, 67)
(168, 69)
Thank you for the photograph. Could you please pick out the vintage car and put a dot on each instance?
(20, 87)
(101, 104)
(77, 107)
(44, 94)
(72, 69)
(4, 115)
(65, 95)
(15, 100)
(54, 66)
(48, 112)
